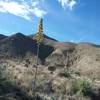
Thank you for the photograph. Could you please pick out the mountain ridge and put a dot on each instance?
(19, 44)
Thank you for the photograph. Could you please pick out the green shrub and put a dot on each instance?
(77, 73)
(53, 98)
(81, 87)
(67, 73)
(86, 88)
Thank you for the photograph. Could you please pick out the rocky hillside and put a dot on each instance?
(69, 71)
(53, 52)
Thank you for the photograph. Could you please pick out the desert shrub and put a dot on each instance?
(26, 65)
(28, 61)
(77, 73)
(44, 86)
(5, 85)
(53, 98)
(81, 87)
(67, 73)
(52, 69)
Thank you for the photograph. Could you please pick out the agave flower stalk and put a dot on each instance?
(39, 39)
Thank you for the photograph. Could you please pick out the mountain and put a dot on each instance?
(51, 51)
(19, 45)
(2, 36)
(16, 45)
(47, 40)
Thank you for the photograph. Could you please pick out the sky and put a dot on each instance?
(64, 20)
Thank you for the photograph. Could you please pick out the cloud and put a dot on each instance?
(38, 12)
(23, 9)
(67, 3)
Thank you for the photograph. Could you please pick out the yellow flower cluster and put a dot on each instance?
(39, 37)
(39, 34)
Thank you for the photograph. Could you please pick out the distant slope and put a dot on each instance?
(2, 36)
(84, 57)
